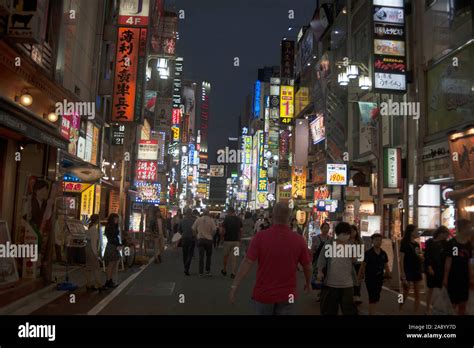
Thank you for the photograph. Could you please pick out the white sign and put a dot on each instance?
(81, 148)
(390, 81)
(428, 217)
(318, 131)
(134, 12)
(336, 174)
(216, 170)
(392, 3)
(148, 150)
(429, 195)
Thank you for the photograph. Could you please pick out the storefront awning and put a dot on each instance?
(73, 165)
(29, 125)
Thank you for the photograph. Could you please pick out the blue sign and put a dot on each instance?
(256, 102)
(191, 154)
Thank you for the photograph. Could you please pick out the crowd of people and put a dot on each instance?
(279, 247)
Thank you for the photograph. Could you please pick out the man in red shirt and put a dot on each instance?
(278, 251)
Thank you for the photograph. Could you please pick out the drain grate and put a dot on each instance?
(158, 289)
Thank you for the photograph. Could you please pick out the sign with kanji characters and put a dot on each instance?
(287, 58)
(148, 150)
(262, 173)
(392, 169)
(146, 170)
(87, 201)
(76, 187)
(125, 82)
(298, 182)
(287, 100)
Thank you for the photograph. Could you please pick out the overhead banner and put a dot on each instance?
(392, 167)
(125, 82)
(134, 13)
(287, 100)
(389, 46)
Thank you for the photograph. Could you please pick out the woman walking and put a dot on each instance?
(92, 255)
(112, 250)
(156, 227)
(410, 265)
(357, 240)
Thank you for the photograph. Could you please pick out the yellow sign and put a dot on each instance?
(97, 199)
(87, 201)
(95, 145)
(175, 131)
(298, 182)
(287, 101)
(262, 197)
(301, 100)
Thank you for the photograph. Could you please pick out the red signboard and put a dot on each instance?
(125, 82)
(176, 117)
(146, 171)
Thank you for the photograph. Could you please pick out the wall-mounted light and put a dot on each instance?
(342, 79)
(352, 71)
(25, 98)
(364, 82)
(52, 117)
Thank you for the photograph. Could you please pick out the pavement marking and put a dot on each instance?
(397, 293)
(102, 304)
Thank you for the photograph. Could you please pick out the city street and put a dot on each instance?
(158, 289)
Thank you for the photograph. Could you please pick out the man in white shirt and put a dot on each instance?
(205, 228)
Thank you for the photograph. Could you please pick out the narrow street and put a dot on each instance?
(163, 289)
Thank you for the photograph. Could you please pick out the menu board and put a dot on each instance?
(389, 46)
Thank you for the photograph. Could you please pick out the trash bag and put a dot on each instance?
(442, 304)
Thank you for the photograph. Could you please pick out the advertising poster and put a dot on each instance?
(336, 174)
(216, 170)
(148, 192)
(464, 148)
(75, 124)
(8, 270)
(367, 127)
(87, 202)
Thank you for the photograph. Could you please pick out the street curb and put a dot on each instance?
(35, 296)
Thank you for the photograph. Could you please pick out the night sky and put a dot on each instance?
(215, 31)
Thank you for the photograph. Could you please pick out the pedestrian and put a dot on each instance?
(112, 250)
(338, 274)
(435, 256)
(175, 225)
(295, 228)
(231, 233)
(188, 239)
(457, 272)
(217, 236)
(157, 226)
(316, 248)
(411, 261)
(259, 224)
(92, 255)
(205, 227)
(247, 231)
(278, 251)
(372, 269)
(356, 240)
(169, 227)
